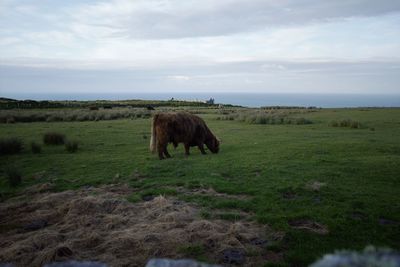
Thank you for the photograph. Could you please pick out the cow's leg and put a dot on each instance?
(160, 149)
(187, 147)
(201, 147)
(166, 151)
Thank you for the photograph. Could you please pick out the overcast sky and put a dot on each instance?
(129, 46)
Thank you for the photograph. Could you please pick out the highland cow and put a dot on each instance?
(181, 127)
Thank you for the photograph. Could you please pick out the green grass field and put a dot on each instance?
(273, 165)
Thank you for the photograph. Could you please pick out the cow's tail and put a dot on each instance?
(153, 139)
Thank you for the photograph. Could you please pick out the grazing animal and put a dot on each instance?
(181, 127)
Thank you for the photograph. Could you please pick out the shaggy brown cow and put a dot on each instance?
(181, 127)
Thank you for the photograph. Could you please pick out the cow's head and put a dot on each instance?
(213, 144)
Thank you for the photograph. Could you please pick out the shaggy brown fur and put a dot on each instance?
(181, 127)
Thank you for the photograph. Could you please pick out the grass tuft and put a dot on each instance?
(36, 148)
(347, 123)
(53, 138)
(71, 146)
(14, 176)
(10, 146)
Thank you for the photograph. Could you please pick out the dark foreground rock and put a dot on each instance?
(76, 264)
(177, 263)
(369, 257)
(233, 256)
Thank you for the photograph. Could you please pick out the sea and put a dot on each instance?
(242, 99)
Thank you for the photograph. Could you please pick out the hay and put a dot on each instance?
(98, 224)
(211, 192)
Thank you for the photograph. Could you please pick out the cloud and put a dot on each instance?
(178, 78)
(155, 19)
(296, 77)
(258, 45)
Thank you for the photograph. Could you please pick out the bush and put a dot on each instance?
(10, 146)
(10, 120)
(71, 146)
(88, 114)
(262, 117)
(300, 121)
(36, 148)
(13, 176)
(355, 125)
(53, 138)
(334, 124)
(346, 123)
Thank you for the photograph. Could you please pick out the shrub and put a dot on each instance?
(300, 121)
(53, 138)
(355, 124)
(92, 113)
(93, 108)
(262, 117)
(13, 176)
(334, 124)
(36, 148)
(10, 120)
(71, 146)
(10, 146)
(346, 123)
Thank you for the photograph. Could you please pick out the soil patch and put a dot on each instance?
(99, 224)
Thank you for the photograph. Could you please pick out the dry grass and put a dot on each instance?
(99, 224)
(315, 185)
(309, 225)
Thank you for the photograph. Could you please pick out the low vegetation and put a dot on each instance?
(53, 138)
(317, 187)
(263, 117)
(7, 103)
(71, 146)
(346, 123)
(36, 148)
(10, 146)
(13, 175)
(12, 116)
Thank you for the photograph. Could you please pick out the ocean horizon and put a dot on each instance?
(248, 100)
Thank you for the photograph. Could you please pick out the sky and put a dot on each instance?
(160, 46)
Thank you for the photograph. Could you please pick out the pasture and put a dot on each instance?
(322, 187)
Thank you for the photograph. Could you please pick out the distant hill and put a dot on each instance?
(8, 103)
(4, 99)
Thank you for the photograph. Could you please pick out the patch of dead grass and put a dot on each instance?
(99, 224)
(309, 225)
(211, 192)
(315, 185)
